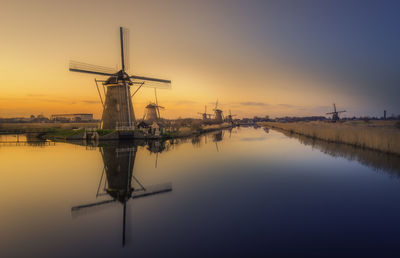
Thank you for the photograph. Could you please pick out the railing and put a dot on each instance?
(125, 126)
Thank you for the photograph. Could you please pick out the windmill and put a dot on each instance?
(118, 168)
(117, 105)
(335, 113)
(152, 113)
(218, 114)
(229, 118)
(205, 115)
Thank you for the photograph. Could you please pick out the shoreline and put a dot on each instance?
(72, 132)
(382, 137)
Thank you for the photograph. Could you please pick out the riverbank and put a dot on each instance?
(43, 127)
(375, 135)
(89, 131)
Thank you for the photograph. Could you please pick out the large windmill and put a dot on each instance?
(119, 182)
(335, 113)
(117, 106)
(205, 116)
(218, 114)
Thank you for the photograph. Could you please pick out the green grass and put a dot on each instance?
(58, 132)
(103, 132)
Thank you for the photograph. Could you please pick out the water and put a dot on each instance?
(244, 193)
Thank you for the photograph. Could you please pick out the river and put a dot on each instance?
(243, 192)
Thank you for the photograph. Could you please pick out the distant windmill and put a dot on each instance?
(205, 115)
(229, 118)
(153, 111)
(335, 113)
(218, 114)
(117, 106)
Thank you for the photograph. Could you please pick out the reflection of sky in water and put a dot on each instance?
(242, 193)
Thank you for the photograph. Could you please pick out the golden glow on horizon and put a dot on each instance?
(203, 63)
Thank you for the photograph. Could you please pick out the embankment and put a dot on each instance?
(376, 135)
(28, 127)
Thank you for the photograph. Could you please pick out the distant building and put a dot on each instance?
(72, 117)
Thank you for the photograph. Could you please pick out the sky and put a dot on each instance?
(258, 58)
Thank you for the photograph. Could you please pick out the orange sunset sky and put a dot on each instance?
(249, 55)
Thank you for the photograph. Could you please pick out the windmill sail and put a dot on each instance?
(151, 82)
(124, 37)
(75, 66)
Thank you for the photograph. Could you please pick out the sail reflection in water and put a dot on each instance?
(119, 182)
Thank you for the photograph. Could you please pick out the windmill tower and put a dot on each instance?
(118, 111)
(218, 114)
(204, 115)
(335, 113)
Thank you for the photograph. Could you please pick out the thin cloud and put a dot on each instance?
(90, 101)
(253, 103)
(287, 105)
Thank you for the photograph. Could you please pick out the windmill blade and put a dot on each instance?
(158, 107)
(75, 66)
(151, 82)
(151, 190)
(143, 78)
(76, 208)
(124, 32)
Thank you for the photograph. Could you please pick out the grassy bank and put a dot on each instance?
(376, 135)
(45, 126)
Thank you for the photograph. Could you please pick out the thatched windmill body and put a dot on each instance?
(335, 113)
(152, 112)
(117, 107)
(218, 114)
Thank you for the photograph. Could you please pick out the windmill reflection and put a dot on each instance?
(217, 137)
(119, 183)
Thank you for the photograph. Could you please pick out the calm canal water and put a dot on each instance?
(240, 193)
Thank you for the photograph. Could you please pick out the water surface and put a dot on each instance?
(240, 193)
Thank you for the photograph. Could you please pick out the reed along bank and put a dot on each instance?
(376, 135)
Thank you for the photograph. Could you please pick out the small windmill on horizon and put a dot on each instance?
(204, 115)
(218, 114)
(229, 118)
(117, 106)
(335, 113)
